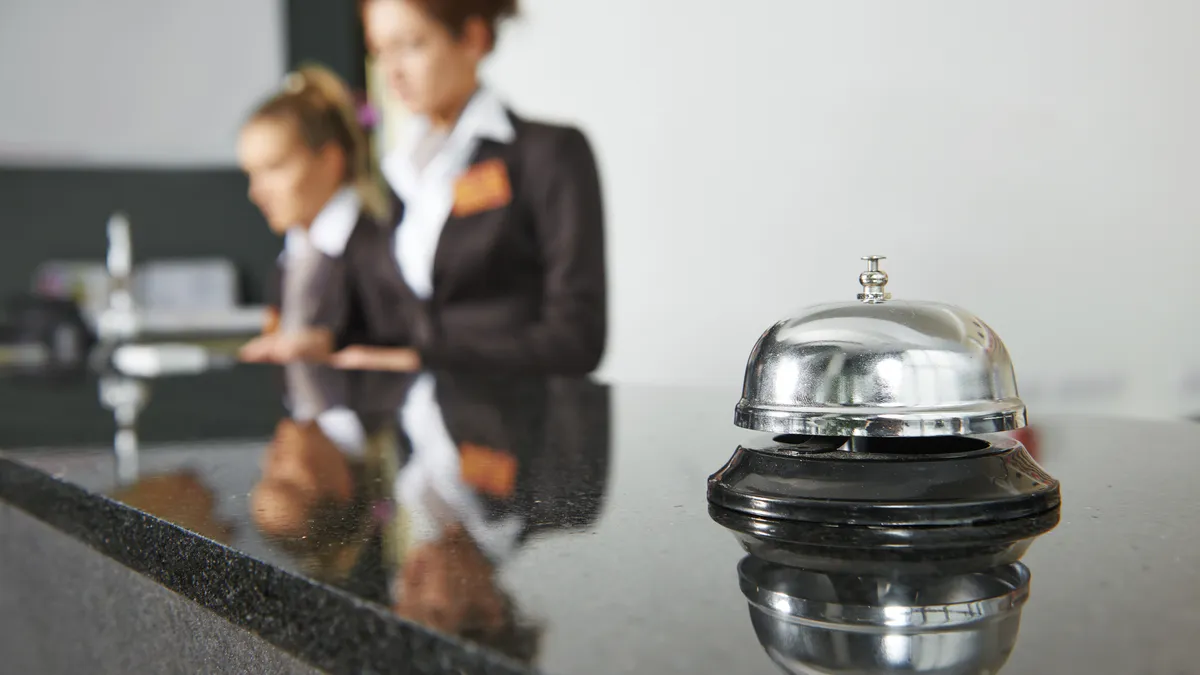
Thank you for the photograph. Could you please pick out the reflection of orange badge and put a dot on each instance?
(483, 187)
(490, 471)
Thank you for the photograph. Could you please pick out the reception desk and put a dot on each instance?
(265, 520)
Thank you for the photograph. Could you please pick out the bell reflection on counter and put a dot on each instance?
(415, 490)
(963, 623)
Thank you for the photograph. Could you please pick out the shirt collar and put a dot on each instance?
(332, 227)
(484, 118)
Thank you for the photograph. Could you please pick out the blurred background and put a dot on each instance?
(1034, 162)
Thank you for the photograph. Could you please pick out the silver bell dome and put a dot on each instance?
(879, 367)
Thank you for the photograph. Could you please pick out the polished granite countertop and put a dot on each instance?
(471, 524)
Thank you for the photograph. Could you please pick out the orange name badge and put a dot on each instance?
(490, 471)
(483, 187)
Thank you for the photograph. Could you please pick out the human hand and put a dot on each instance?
(313, 344)
(259, 350)
(361, 357)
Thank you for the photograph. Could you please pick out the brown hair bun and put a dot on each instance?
(454, 14)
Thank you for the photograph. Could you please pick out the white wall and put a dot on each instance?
(1030, 160)
(1035, 161)
(133, 82)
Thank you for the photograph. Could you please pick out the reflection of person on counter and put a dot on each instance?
(311, 497)
(488, 465)
(496, 259)
(447, 577)
(308, 163)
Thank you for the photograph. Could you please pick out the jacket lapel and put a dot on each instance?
(479, 216)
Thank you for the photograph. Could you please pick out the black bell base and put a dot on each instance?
(894, 505)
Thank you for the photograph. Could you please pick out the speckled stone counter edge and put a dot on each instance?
(326, 627)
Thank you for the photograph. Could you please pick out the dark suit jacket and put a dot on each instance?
(325, 288)
(518, 288)
(328, 291)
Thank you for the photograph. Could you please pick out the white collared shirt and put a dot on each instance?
(330, 230)
(428, 192)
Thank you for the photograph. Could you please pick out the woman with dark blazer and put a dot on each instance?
(495, 259)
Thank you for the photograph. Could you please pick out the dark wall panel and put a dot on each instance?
(329, 32)
(243, 402)
(61, 213)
